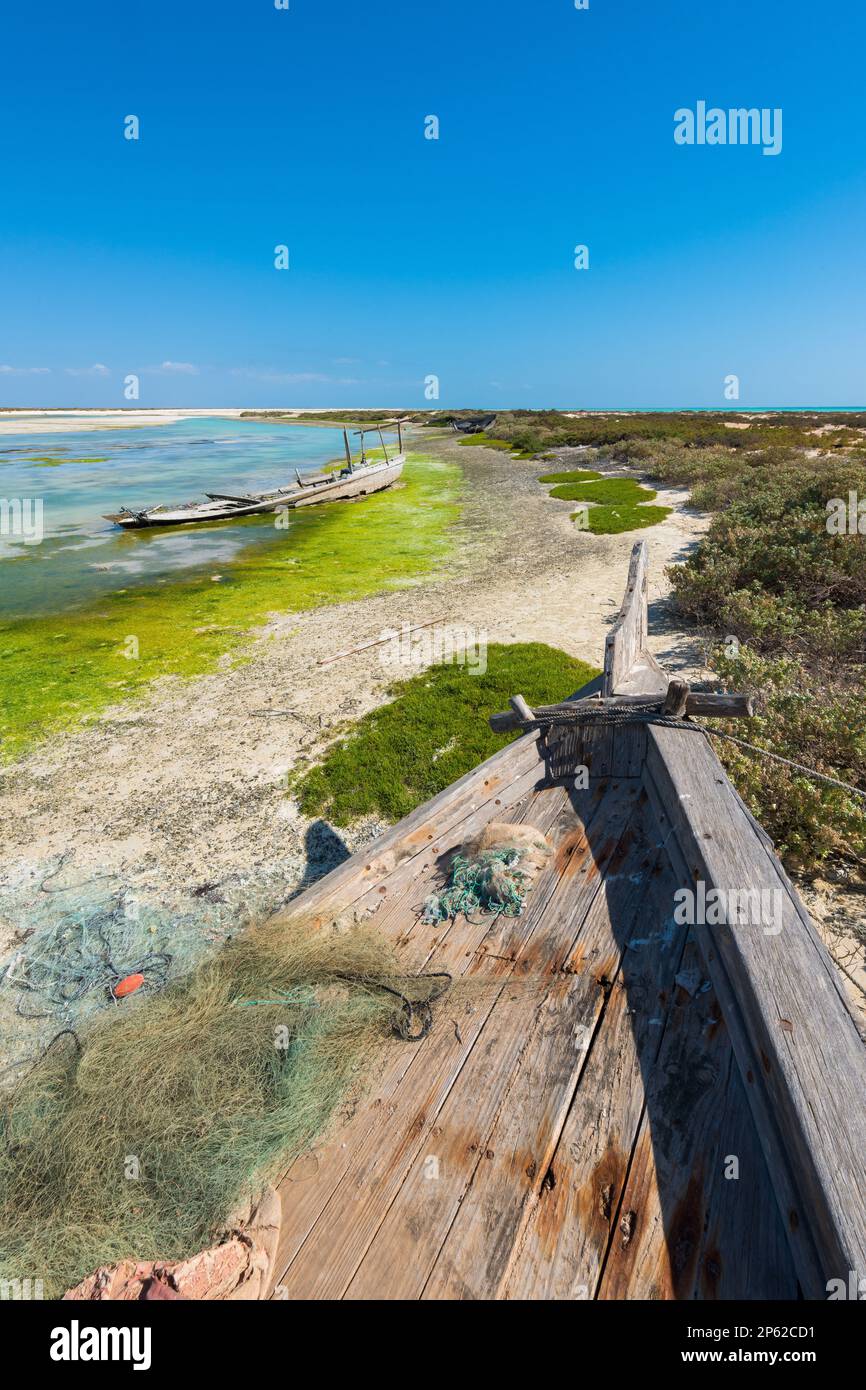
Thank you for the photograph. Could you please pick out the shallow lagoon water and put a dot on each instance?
(80, 474)
(70, 655)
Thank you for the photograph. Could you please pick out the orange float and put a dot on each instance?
(128, 985)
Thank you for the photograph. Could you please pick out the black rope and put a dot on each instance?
(410, 1010)
(593, 712)
(652, 712)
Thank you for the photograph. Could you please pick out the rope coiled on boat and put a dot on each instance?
(492, 882)
(594, 712)
(652, 712)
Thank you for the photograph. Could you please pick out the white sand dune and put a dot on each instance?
(58, 422)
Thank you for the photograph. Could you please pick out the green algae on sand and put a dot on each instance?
(611, 520)
(606, 490)
(57, 670)
(433, 730)
(486, 441)
(573, 475)
(613, 504)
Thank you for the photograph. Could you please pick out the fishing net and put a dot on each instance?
(492, 873)
(491, 881)
(84, 950)
(138, 1136)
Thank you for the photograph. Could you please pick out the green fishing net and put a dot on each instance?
(491, 882)
(139, 1132)
(78, 948)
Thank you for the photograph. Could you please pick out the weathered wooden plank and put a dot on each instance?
(744, 1252)
(660, 1248)
(598, 751)
(563, 753)
(645, 676)
(453, 947)
(598, 741)
(772, 1144)
(410, 1237)
(585, 860)
(628, 637)
(630, 760)
(796, 1042)
(629, 669)
(479, 1247)
(394, 1137)
(568, 1230)
(701, 704)
(627, 749)
(406, 1243)
(360, 1170)
(486, 785)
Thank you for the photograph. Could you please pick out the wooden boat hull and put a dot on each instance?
(615, 1103)
(360, 483)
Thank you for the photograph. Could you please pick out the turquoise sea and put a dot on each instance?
(80, 474)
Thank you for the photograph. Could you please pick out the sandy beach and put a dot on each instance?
(59, 421)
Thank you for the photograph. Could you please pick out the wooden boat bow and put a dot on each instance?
(619, 1104)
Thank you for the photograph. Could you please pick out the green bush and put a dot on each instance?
(781, 583)
(769, 573)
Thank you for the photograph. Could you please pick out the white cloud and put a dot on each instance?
(98, 369)
(24, 371)
(184, 368)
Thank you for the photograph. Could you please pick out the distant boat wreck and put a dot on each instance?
(356, 479)
(478, 425)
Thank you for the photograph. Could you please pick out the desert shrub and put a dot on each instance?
(781, 583)
(485, 441)
(802, 720)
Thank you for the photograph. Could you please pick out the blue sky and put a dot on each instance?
(411, 257)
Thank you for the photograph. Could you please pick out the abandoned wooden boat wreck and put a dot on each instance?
(356, 479)
(635, 1102)
(477, 425)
